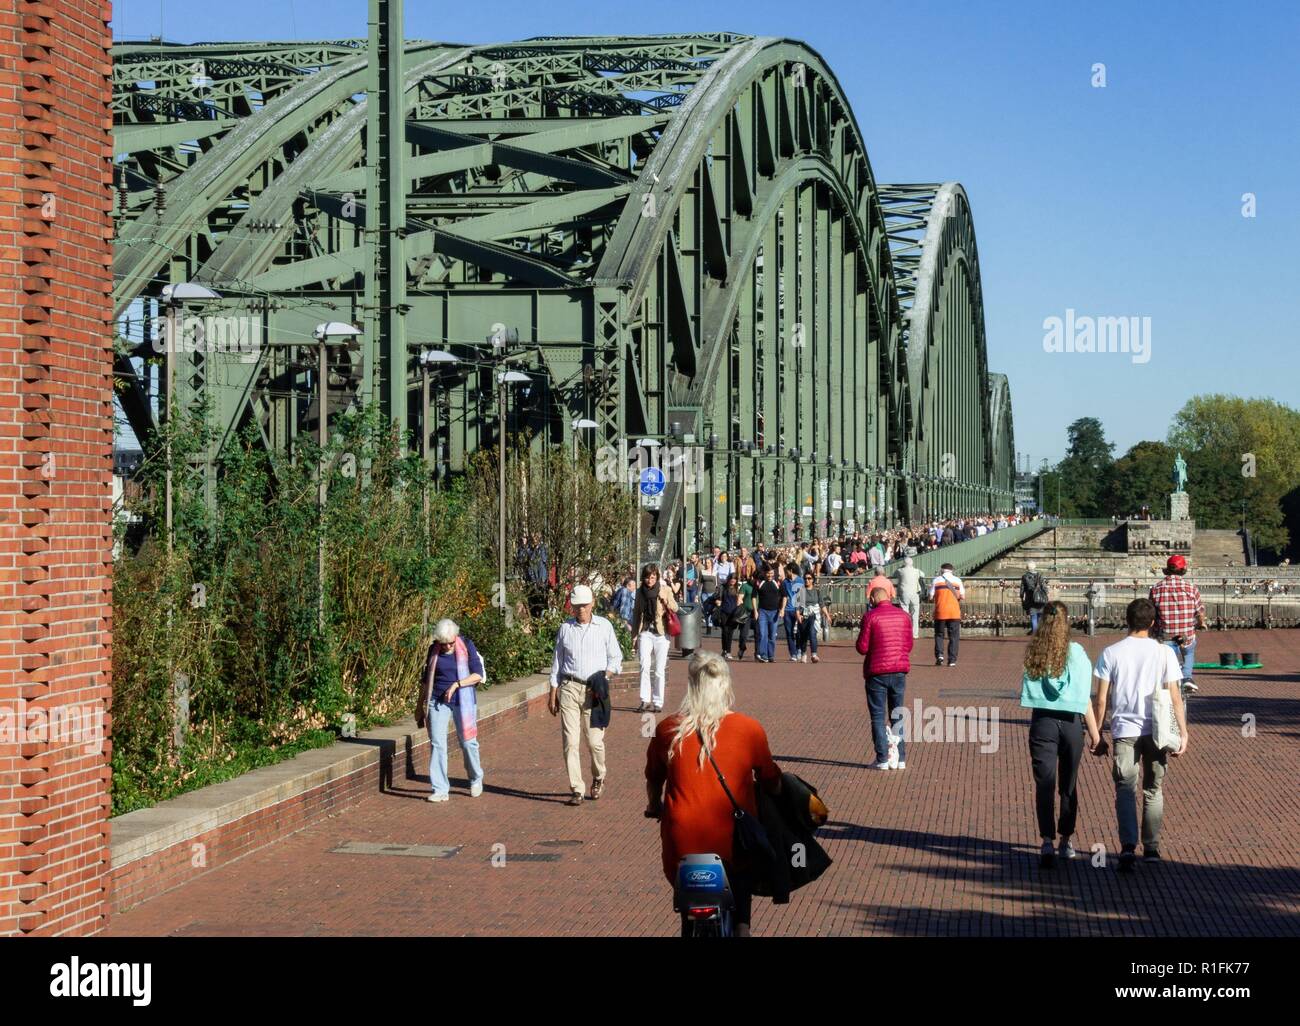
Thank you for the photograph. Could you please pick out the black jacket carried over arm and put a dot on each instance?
(598, 682)
(788, 823)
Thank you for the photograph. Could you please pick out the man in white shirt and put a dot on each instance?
(1129, 673)
(833, 560)
(585, 646)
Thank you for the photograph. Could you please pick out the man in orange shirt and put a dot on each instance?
(882, 582)
(947, 593)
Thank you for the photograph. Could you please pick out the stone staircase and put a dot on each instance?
(1213, 549)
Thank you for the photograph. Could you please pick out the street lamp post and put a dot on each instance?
(503, 378)
(428, 358)
(323, 334)
(581, 424)
(173, 296)
(649, 444)
(498, 361)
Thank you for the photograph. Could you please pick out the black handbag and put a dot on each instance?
(748, 836)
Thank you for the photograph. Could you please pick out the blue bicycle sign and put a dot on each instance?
(652, 481)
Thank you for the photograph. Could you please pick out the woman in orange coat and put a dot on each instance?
(685, 794)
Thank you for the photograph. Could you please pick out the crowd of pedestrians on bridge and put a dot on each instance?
(702, 577)
(1137, 687)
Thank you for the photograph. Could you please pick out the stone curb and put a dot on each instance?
(146, 832)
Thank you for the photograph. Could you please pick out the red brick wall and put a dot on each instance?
(56, 439)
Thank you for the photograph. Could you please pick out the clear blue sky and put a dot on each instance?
(1120, 201)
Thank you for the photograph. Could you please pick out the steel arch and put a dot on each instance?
(954, 461)
(684, 230)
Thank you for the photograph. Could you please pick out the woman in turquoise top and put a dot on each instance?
(1057, 686)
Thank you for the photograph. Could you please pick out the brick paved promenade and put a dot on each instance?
(946, 847)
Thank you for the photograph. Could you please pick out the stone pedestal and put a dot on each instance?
(1179, 506)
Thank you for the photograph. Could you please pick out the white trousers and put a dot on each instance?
(912, 603)
(652, 651)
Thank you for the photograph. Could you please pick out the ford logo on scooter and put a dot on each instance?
(701, 876)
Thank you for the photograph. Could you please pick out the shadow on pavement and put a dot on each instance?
(1227, 710)
(1077, 898)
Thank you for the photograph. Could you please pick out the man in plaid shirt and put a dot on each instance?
(1179, 614)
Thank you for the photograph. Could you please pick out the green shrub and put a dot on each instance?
(230, 613)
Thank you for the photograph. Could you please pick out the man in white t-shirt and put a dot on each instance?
(1129, 673)
(831, 565)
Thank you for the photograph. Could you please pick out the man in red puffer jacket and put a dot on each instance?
(885, 640)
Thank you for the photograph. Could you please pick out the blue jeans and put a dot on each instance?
(1034, 614)
(884, 695)
(439, 714)
(1186, 657)
(792, 632)
(766, 646)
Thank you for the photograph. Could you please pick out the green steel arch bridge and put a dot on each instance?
(679, 238)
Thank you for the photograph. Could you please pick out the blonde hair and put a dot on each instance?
(1049, 648)
(709, 697)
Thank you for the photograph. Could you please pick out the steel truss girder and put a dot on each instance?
(528, 170)
(958, 436)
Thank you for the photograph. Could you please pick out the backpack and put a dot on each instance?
(1038, 593)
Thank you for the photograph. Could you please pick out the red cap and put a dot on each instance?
(1176, 563)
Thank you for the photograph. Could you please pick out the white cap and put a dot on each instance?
(580, 596)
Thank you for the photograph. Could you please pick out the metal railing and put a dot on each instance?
(851, 592)
(994, 603)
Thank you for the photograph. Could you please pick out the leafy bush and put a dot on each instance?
(228, 618)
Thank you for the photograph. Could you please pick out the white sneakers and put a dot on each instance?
(475, 789)
(892, 762)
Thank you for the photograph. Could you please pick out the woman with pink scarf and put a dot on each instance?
(448, 692)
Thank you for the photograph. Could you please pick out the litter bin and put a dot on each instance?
(692, 620)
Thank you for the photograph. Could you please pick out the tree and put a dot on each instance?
(1240, 451)
(585, 519)
(1141, 477)
(1085, 470)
